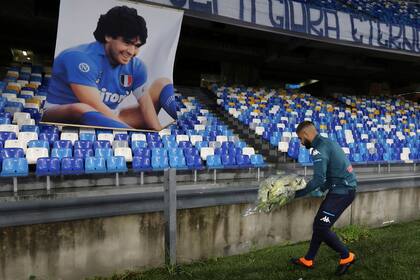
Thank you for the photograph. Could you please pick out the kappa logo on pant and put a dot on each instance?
(326, 219)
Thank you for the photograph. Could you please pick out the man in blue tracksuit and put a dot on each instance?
(332, 172)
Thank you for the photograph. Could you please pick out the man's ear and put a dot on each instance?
(108, 38)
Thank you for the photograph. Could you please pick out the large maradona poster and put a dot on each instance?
(113, 65)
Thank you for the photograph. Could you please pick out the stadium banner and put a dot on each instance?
(300, 18)
(113, 65)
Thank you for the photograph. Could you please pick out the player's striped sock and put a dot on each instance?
(97, 119)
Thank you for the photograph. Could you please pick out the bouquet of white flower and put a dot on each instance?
(276, 191)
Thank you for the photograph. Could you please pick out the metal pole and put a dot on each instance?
(48, 183)
(141, 178)
(214, 176)
(15, 184)
(258, 174)
(169, 196)
(117, 179)
(379, 168)
(195, 175)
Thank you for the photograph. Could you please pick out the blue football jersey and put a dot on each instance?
(88, 65)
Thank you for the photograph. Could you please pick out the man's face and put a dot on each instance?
(121, 50)
(304, 140)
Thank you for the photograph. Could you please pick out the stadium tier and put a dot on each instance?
(393, 12)
(198, 140)
(369, 129)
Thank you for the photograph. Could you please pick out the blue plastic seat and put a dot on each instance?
(159, 152)
(48, 136)
(12, 153)
(48, 167)
(191, 151)
(4, 120)
(201, 144)
(7, 135)
(138, 144)
(48, 129)
(116, 164)
(257, 160)
(87, 137)
(304, 156)
(72, 166)
(243, 161)
(142, 152)
(194, 162)
(178, 161)
(39, 144)
(141, 163)
(101, 144)
(61, 153)
(160, 162)
(154, 144)
(184, 144)
(14, 167)
(83, 153)
(95, 165)
(121, 137)
(228, 160)
(214, 162)
(6, 115)
(104, 152)
(63, 144)
(83, 144)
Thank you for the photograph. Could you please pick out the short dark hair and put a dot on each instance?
(121, 21)
(304, 125)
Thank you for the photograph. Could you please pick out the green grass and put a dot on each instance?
(392, 252)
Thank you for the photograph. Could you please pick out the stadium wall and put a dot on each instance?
(102, 246)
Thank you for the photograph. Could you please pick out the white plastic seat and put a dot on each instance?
(72, 136)
(32, 154)
(196, 138)
(182, 137)
(205, 152)
(86, 130)
(248, 151)
(259, 130)
(25, 137)
(199, 127)
(138, 137)
(221, 138)
(164, 132)
(106, 136)
(15, 143)
(125, 152)
(9, 128)
(283, 147)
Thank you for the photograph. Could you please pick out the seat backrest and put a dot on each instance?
(9, 128)
(182, 137)
(72, 136)
(248, 151)
(15, 144)
(205, 152)
(103, 152)
(38, 144)
(125, 152)
(138, 137)
(106, 137)
(32, 154)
